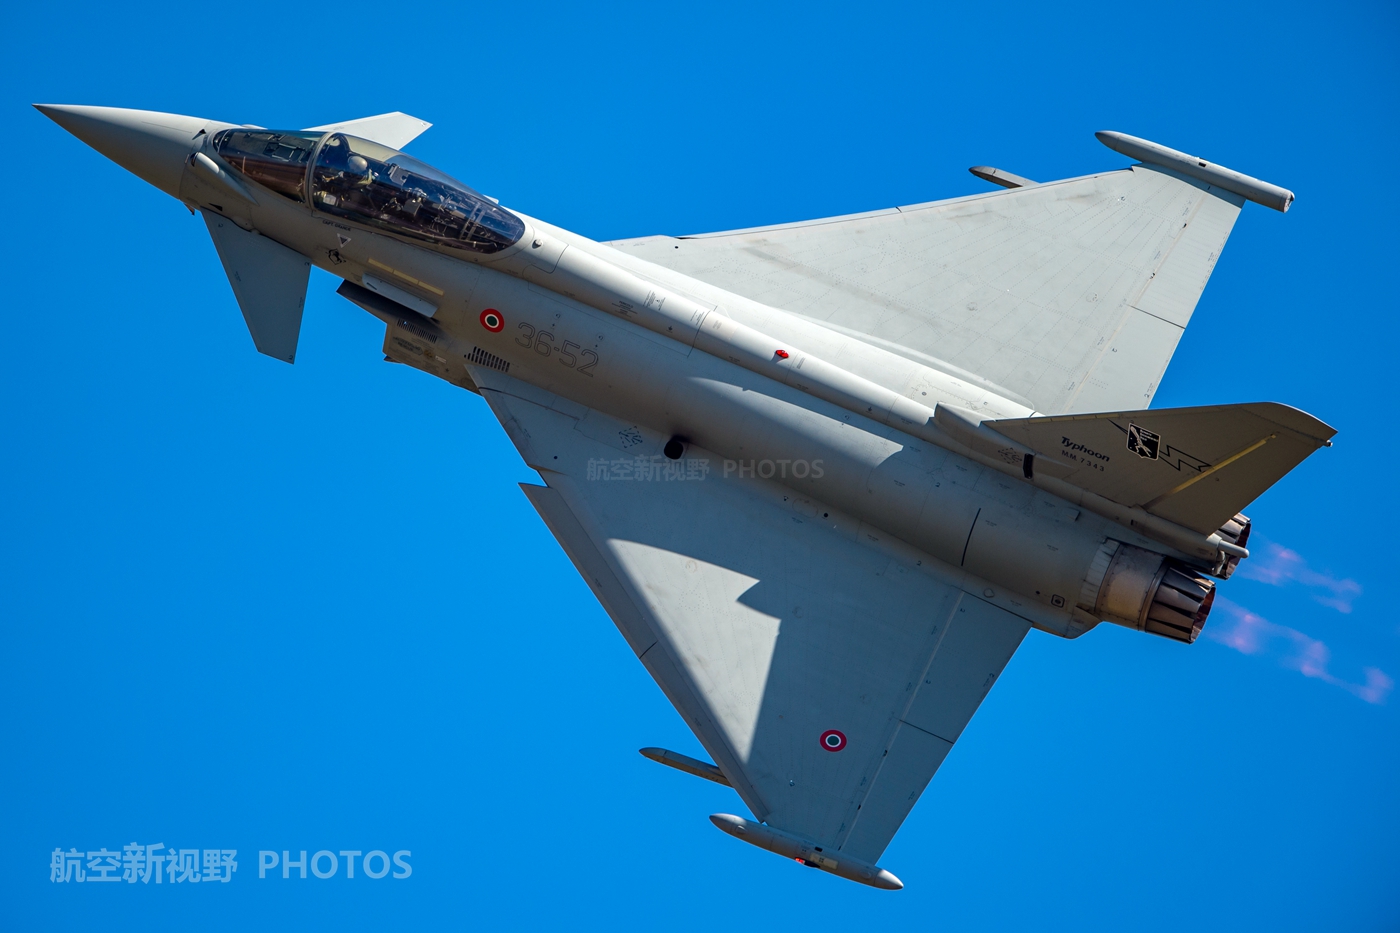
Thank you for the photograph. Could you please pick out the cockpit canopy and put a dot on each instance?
(371, 184)
(274, 159)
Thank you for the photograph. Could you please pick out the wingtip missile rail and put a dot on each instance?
(806, 852)
(701, 769)
(1246, 186)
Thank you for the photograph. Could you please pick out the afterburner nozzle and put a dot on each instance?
(151, 145)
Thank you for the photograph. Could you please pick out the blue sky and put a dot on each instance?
(251, 606)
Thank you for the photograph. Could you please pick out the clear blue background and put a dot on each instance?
(255, 606)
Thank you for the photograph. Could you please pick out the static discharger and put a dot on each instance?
(806, 852)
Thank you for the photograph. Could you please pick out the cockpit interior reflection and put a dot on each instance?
(371, 184)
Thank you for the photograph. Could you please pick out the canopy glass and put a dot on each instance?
(273, 158)
(371, 184)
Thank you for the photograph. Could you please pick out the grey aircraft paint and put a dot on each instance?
(823, 476)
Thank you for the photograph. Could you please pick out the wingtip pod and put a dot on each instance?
(701, 769)
(806, 852)
(1002, 177)
(1144, 150)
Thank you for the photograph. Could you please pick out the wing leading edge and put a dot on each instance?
(1070, 293)
(824, 670)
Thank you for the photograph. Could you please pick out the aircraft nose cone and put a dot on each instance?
(147, 143)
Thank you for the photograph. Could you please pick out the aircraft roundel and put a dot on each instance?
(492, 320)
(833, 741)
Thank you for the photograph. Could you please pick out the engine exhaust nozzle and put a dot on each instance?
(1144, 590)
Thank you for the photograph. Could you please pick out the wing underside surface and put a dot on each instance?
(766, 625)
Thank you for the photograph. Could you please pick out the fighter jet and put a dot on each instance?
(824, 476)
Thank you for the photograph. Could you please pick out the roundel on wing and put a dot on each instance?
(833, 740)
(492, 320)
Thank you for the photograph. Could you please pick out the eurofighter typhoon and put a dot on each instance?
(823, 476)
